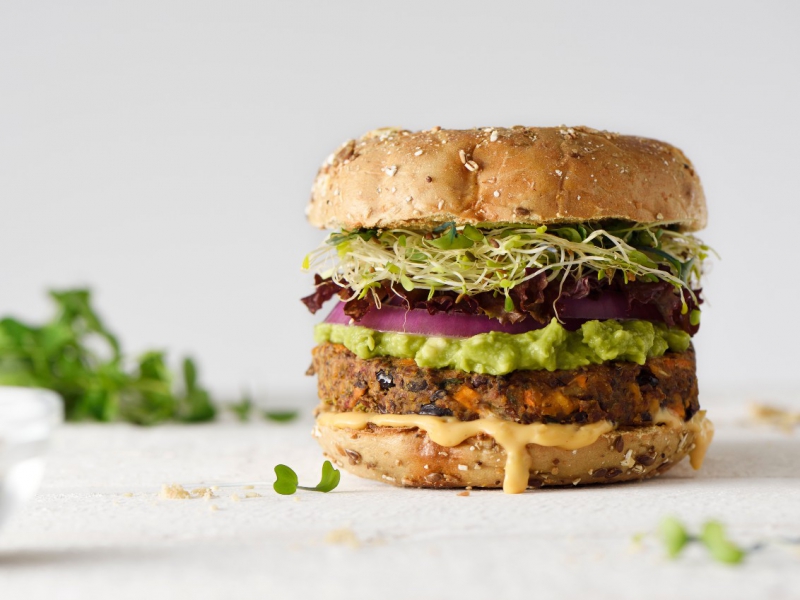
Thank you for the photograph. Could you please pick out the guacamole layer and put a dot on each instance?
(550, 348)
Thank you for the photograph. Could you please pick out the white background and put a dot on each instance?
(162, 152)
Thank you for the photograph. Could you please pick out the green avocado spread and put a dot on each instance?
(495, 353)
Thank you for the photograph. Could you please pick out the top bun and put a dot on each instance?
(393, 178)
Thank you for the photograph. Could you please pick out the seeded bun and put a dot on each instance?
(408, 457)
(524, 175)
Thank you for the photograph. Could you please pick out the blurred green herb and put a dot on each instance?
(245, 408)
(242, 409)
(675, 537)
(76, 355)
(721, 548)
(280, 416)
(286, 480)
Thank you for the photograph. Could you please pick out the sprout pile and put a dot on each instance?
(468, 260)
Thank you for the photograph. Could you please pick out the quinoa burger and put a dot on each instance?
(514, 307)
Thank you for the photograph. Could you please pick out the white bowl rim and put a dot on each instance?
(23, 405)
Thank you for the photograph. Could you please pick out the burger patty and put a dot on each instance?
(622, 392)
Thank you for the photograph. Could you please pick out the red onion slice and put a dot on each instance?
(419, 322)
(573, 313)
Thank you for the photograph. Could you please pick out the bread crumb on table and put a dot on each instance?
(464, 493)
(343, 537)
(174, 491)
(205, 493)
(773, 416)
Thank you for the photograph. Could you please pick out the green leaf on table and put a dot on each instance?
(673, 535)
(286, 480)
(719, 546)
(330, 478)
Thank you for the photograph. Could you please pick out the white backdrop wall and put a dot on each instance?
(162, 151)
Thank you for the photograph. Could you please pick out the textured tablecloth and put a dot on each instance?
(85, 536)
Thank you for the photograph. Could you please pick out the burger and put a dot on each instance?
(514, 307)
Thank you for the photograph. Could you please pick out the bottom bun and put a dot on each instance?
(407, 456)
